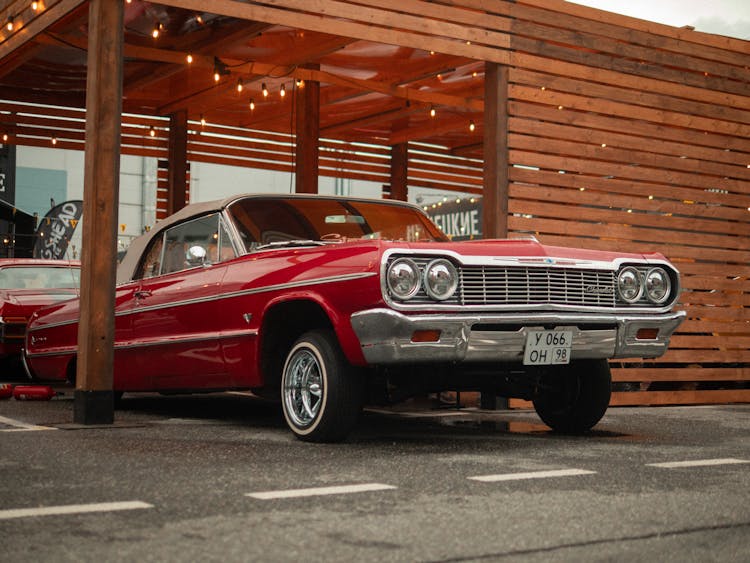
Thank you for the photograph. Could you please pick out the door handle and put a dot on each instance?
(142, 294)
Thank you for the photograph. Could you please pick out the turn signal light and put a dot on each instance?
(647, 334)
(426, 336)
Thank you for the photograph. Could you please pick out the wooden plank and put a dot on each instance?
(93, 395)
(643, 373)
(429, 19)
(662, 398)
(579, 39)
(495, 186)
(307, 118)
(177, 162)
(399, 172)
(574, 165)
(661, 198)
(624, 65)
(692, 155)
(608, 152)
(622, 27)
(612, 108)
(623, 124)
(553, 68)
(53, 13)
(315, 22)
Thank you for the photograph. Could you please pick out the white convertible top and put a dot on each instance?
(126, 268)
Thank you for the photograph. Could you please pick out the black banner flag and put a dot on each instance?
(56, 230)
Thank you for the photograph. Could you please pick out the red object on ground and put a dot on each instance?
(33, 392)
(6, 390)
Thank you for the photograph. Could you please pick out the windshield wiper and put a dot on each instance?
(289, 243)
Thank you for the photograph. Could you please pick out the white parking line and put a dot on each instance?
(320, 491)
(19, 426)
(531, 475)
(72, 509)
(699, 463)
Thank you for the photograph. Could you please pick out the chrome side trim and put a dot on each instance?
(211, 298)
(188, 339)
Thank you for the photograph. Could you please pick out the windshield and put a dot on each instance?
(39, 277)
(273, 221)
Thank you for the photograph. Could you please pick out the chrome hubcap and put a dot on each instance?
(303, 388)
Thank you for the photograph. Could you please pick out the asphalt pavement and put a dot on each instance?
(219, 478)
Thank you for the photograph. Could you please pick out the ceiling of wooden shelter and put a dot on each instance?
(369, 92)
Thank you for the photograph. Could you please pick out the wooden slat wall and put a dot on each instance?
(637, 140)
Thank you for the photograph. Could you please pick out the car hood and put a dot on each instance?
(527, 250)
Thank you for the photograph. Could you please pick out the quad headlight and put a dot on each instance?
(403, 278)
(658, 285)
(440, 279)
(641, 284)
(629, 284)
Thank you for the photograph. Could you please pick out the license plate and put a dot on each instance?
(547, 347)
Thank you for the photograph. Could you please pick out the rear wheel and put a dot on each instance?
(321, 393)
(573, 398)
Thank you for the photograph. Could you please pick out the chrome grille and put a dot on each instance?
(520, 285)
(493, 286)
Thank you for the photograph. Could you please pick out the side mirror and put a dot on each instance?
(196, 255)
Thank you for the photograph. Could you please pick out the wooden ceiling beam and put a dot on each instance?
(385, 113)
(445, 125)
(55, 12)
(479, 44)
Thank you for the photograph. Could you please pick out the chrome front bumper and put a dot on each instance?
(386, 335)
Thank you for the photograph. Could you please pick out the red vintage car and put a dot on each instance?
(331, 302)
(26, 285)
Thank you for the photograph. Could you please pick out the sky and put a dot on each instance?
(723, 17)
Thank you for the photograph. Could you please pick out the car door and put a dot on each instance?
(175, 324)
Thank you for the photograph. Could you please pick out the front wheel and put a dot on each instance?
(321, 393)
(573, 398)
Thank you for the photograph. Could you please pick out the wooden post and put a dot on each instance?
(307, 100)
(93, 402)
(400, 171)
(495, 190)
(177, 161)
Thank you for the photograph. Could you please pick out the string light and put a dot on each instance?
(9, 25)
(189, 59)
(300, 83)
(35, 6)
(5, 137)
(432, 111)
(282, 91)
(157, 30)
(252, 104)
(239, 85)
(264, 90)
(220, 69)
(152, 131)
(203, 121)
(472, 126)
(54, 140)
